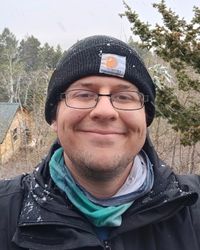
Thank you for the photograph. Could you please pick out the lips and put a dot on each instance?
(110, 130)
(103, 132)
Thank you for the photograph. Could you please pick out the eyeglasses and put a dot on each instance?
(86, 99)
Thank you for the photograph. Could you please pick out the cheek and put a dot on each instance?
(68, 119)
(136, 120)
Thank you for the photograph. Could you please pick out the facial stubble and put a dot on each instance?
(88, 167)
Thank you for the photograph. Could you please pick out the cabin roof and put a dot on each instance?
(7, 114)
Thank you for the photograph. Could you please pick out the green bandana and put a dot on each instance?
(98, 215)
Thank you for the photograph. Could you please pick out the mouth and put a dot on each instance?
(103, 132)
(102, 138)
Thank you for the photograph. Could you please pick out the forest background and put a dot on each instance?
(171, 52)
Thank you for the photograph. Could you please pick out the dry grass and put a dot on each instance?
(23, 161)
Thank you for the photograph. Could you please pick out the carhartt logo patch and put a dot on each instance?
(113, 64)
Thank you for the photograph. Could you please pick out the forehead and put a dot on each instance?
(97, 82)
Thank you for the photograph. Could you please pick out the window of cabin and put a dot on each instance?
(15, 134)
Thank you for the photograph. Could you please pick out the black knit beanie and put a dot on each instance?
(87, 58)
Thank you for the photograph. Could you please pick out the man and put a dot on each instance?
(102, 185)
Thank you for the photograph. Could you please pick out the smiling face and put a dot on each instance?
(100, 143)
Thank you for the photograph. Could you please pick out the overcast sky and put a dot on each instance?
(65, 21)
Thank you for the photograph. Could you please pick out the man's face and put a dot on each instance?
(100, 143)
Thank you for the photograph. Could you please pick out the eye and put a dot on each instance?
(82, 94)
(126, 97)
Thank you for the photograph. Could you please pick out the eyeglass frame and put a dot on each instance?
(143, 99)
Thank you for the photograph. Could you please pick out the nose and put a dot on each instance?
(104, 110)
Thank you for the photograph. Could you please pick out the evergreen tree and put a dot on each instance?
(29, 51)
(49, 57)
(177, 42)
(57, 55)
(143, 52)
(46, 56)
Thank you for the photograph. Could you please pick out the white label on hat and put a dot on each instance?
(113, 64)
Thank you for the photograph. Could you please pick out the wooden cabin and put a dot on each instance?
(14, 129)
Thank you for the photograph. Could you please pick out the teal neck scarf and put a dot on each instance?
(99, 216)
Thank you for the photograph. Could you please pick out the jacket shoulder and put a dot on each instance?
(192, 180)
(11, 198)
(11, 186)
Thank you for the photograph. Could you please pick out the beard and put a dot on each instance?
(90, 167)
